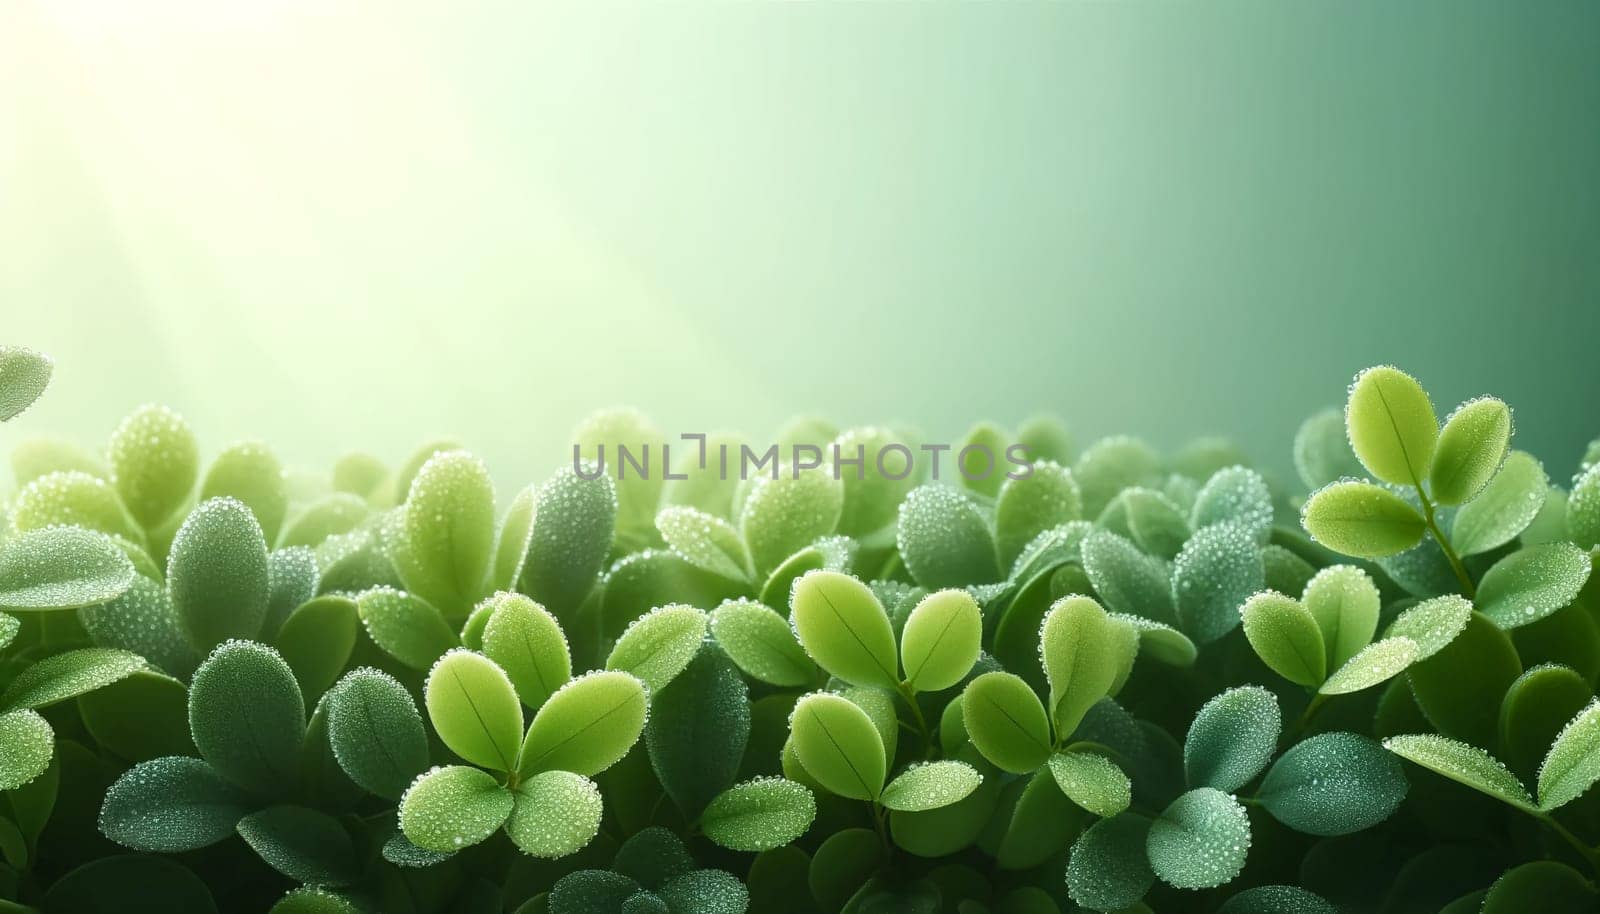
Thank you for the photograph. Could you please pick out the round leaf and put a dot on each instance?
(474, 709)
(1532, 583)
(447, 809)
(447, 536)
(1545, 886)
(24, 374)
(1200, 841)
(1046, 497)
(75, 498)
(527, 642)
(944, 540)
(1236, 495)
(707, 541)
(759, 814)
(1217, 570)
(247, 717)
(587, 725)
(698, 730)
(931, 785)
(575, 521)
(785, 514)
(1391, 425)
(761, 643)
(376, 733)
(130, 884)
(838, 745)
(1128, 580)
(217, 574)
(154, 463)
(1092, 781)
(142, 717)
(659, 644)
(1006, 722)
(1345, 603)
(1362, 519)
(556, 813)
(316, 641)
(1471, 448)
(1109, 869)
(1277, 899)
(1460, 687)
(1333, 784)
(1322, 451)
(1232, 738)
(28, 744)
(844, 628)
(941, 640)
(1286, 637)
(249, 472)
(171, 805)
(306, 845)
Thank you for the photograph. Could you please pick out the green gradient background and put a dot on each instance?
(363, 224)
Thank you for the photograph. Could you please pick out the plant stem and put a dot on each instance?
(916, 715)
(1468, 589)
(878, 822)
(1312, 707)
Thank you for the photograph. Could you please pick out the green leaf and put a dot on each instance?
(838, 745)
(142, 717)
(447, 809)
(1161, 643)
(76, 498)
(1391, 425)
(1532, 583)
(68, 675)
(1277, 899)
(1109, 869)
(587, 725)
(1157, 525)
(944, 539)
(316, 641)
(759, 814)
(1322, 451)
(312, 900)
(1286, 637)
(591, 892)
(844, 628)
(474, 709)
(1006, 722)
(1200, 841)
(293, 578)
(707, 541)
(1432, 624)
(1544, 886)
(447, 535)
(155, 461)
(171, 805)
(129, 884)
(1232, 738)
(1333, 784)
(659, 644)
(1377, 662)
(1083, 656)
(306, 845)
(28, 744)
(1573, 763)
(1463, 764)
(1127, 580)
(1471, 448)
(1092, 781)
(761, 643)
(250, 473)
(1236, 495)
(874, 490)
(705, 892)
(248, 718)
(61, 568)
(376, 733)
(1459, 689)
(556, 813)
(407, 627)
(1505, 507)
(527, 642)
(511, 543)
(1046, 497)
(931, 785)
(784, 514)
(1045, 437)
(1362, 519)
(1217, 570)
(1534, 711)
(575, 521)
(698, 730)
(1583, 508)
(327, 517)
(1345, 603)
(941, 640)
(9, 626)
(599, 439)
(142, 620)
(1110, 465)
(24, 374)
(217, 574)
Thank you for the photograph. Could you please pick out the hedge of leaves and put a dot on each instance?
(1122, 682)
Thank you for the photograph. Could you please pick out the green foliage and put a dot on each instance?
(805, 692)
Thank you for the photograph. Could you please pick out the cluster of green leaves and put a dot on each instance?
(1123, 682)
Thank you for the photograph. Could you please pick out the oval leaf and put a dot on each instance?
(556, 813)
(474, 709)
(759, 815)
(527, 642)
(1286, 637)
(931, 785)
(1362, 519)
(1391, 425)
(1333, 784)
(447, 809)
(844, 628)
(61, 568)
(587, 725)
(376, 732)
(1471, 448)
(659, 644)
(761, 643)
(248, 718)
(1232, 738)
(1463, 764)
(1200, 841)
(217, 575)
(941, 640)
(1532, 583)
(838, 745)
(1006, 722)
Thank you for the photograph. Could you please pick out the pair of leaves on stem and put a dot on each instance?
(839, 746)
(1324, 639)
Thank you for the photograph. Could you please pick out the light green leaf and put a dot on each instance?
(1092, 781)
(931, 785)
(1532, 583)
(1471, 448)
(1432, 624)
(1505, 507)
(527, 642)
(944, 539)
(1392, 426)
(1573, 763)
(61, 568)
(759, 814)
(1362, 519)
(1200, 841)
(28, 744)
(407, 627)
(659, 644)
(1006, 722)
(587, 725)
(446, 537)
(1286, 637)
(76, 498)
(171, 805)
(1463, 764)
(336, 514)
(1046, 497)
(447, 809)
(1333, 784)
(838, 745)
(1345, 603)
(783, 515)
(761, 643)
(474, 709)
(707, 541)
(376, 733)
(1232, 738)
(941, 640)
(1217, 570)
(601, 438)
(68, 675)
(155, 461)
(24, 374)
(556, 813)
(844, 628)
(247, 717)
(1583, 508)
(250, 473)
(1376, 663)
(1083, 656)
(217, 574)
